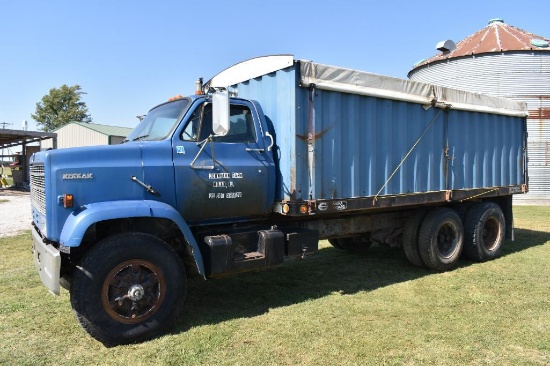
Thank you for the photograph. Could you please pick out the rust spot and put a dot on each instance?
(539, 97)
(293, 183)
(540, 113)
(496, 37)
(316, 136)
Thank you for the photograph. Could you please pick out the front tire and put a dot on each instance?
(128, 288)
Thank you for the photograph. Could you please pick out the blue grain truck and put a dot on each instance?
(270, 156)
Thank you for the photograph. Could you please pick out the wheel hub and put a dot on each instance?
(447, 240)
(133, 291)
(136, 292)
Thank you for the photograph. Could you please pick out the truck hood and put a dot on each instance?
(96, 174)
(103, 174)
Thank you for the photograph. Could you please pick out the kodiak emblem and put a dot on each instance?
(78, 176)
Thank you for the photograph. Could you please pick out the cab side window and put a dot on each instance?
(199, 126)
(241, 125)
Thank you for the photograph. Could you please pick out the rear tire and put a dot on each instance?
(410, 237)
(440, 239)
(484, 229)
(128, 288)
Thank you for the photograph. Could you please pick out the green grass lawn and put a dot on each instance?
(333, 308)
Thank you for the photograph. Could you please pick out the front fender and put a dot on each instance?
(80, 220)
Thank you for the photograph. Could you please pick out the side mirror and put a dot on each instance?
(220, 113)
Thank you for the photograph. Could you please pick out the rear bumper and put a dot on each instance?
(47, 260)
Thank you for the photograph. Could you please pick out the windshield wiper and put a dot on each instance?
(137, 138)
(140, 137)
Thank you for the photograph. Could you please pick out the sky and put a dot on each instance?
(129, 56)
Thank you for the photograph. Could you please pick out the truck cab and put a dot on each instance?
(172, 166)
(234, 173)
(172, 176)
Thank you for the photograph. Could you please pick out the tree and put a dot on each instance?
(60, 107)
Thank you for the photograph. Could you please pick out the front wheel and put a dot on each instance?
(128, 288)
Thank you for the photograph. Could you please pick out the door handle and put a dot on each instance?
(272, 141)
(256, 150)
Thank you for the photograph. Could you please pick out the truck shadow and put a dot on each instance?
(525, 239)
(298, 280)
(326, 272)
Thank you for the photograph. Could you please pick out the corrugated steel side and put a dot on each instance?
(506, 74)
(359, 141)
(362, 140)
(276, 93)
(523, 76)
(485, 150)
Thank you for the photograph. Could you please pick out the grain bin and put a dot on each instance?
(509, 62)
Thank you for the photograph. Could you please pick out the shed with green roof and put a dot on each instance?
(76, 134)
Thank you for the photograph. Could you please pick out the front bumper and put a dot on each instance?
(47, 260)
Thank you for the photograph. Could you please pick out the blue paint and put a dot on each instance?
(361, 140)
(328, 145)
(80, 220)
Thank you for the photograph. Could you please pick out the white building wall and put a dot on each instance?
(73, 135)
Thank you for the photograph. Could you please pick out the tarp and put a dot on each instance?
(344, 80)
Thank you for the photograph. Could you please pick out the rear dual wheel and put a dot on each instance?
(441, 238)
(484, 229)
(437, 238)
(410, 237)
(433, 238)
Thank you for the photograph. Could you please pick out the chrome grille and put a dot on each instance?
(38, 188)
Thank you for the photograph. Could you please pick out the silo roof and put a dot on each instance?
(496, 37)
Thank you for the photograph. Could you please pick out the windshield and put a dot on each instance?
(159, 122)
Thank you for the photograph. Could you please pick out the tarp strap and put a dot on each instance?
(310, 140)
(407, 155)
(481, 194)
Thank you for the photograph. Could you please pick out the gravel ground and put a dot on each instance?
(16, 213)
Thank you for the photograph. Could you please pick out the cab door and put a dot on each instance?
(222, 178)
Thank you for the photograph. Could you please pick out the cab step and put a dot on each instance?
(247, 256)
(255, 250)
